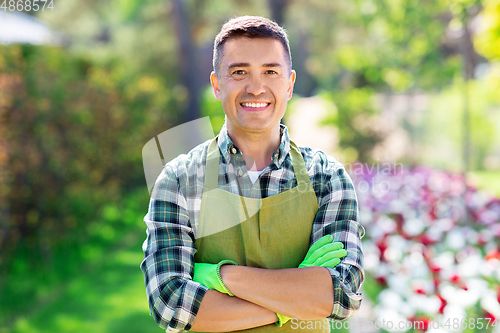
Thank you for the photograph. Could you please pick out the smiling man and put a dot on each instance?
(249, 230)
(254, 82)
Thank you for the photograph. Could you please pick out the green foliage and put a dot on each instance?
(441, 143)
(487, 41)
(74, 133)
(355, 110)
(389, 45)
(212, 108)
(360, 49)
(486, 180)
(384, 45)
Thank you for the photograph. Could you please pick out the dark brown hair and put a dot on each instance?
(250, 27)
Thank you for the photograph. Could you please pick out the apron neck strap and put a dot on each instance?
(299, 166)
(211, 181)
(212, 167)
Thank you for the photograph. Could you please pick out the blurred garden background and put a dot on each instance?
(405, 93)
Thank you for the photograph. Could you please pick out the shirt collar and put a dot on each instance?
(228, 148)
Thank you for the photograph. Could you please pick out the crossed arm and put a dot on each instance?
(303, 293)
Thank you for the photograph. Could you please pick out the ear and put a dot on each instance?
(214, 81)
(291, 82)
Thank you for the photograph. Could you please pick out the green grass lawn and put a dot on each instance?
(107, 296)
(100, 290)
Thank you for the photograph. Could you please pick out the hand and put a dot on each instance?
(209, 276)
(324, 253)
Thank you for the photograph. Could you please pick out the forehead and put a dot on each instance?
(254, 51)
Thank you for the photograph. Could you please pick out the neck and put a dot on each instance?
(257, 147)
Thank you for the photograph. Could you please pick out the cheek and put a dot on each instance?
(279, 85)
(229, 97)
(230, 92)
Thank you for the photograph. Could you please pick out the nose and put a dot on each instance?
(255, 86)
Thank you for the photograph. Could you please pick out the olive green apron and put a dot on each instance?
(271, 233)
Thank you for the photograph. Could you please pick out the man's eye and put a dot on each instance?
(239, 72)
(270, 71)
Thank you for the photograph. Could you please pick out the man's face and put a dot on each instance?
(254, 84)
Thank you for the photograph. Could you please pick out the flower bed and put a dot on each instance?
(431, 248)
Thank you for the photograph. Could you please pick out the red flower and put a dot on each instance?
(420, 291)
(455, 278)
(435, 268)
(436, 282)
(488, 315)
(382, 246)
(382, 280)
(443, 304)
(492, 254)
(398, 218)
(426, 240)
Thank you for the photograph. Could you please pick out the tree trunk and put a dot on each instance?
(467, 49)
(278, 8)
(188, 62)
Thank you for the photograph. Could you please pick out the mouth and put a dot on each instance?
(255, 106)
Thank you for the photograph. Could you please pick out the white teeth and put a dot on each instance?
(254, 105)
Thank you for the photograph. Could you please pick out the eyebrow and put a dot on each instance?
(246, 64)
(274, 64)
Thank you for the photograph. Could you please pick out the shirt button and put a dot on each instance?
(233, 150)
(240, 173)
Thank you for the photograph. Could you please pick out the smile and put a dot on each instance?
(255, 105)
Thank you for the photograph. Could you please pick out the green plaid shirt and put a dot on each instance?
(172, 220)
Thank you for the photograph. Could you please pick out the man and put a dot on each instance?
(230, 223)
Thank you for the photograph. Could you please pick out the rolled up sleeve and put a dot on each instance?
(338, 216)
(168, 265)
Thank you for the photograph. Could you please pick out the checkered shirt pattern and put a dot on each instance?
(172, 220)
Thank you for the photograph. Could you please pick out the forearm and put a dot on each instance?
(303, 293)
(222, 313)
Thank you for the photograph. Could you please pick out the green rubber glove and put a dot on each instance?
(281, 320)
(324, 253)
(209, 276)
